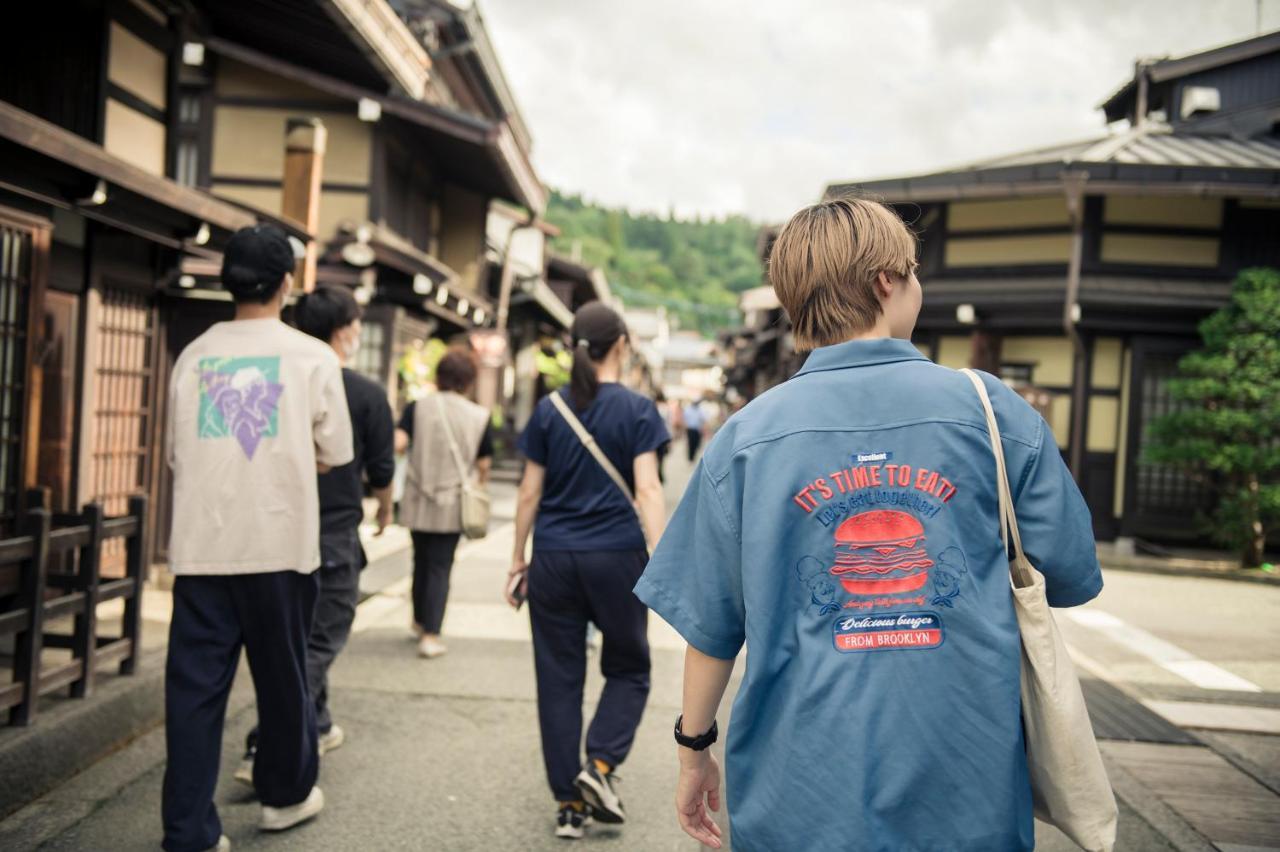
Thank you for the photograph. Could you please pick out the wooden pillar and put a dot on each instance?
(29, 642)
(305, 140)
(984, 351)
(136, 560)
(1073, 187)
(84, 642)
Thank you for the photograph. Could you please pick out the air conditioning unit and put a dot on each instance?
(1199, 100)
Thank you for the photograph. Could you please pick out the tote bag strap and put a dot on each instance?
(589, 442)
(453, 445)
(1008, 517)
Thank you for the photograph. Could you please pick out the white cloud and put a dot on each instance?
(714, 106)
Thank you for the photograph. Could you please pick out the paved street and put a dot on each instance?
(444, 754)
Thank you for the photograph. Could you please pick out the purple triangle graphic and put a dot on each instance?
(246, 411)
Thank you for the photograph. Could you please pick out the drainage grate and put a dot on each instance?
(1116, 716)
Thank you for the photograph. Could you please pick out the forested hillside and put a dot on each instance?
(696, 268)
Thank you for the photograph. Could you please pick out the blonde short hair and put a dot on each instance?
(825, 262)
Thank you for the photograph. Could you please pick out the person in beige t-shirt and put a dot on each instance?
(255, 409)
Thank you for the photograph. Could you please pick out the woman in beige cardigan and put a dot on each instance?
(431, 506)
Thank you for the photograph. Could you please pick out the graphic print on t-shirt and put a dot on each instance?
(240, 398)
(881, 557)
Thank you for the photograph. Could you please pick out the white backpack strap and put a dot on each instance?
(453, 445)
(590, 443)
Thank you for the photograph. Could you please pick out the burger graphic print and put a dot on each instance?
(881, 553)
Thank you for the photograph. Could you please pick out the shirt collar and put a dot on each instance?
(861, 353)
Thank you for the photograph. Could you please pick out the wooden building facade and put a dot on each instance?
(1079, 273)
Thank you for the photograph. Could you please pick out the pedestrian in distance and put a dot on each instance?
(695, 424)
(443, 426)
(256, 408)
(331, 314)
(845, 526)
(588, 449)
(664, 411)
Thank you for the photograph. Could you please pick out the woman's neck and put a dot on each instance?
(608, 370)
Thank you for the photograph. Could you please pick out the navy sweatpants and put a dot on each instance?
(566, 590)
(213, 617)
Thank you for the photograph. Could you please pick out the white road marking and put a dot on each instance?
(1218, 717)
(1168, 656)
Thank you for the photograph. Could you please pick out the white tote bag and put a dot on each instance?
(1069, 785)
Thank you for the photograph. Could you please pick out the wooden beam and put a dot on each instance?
(305, 142)
(61, 145)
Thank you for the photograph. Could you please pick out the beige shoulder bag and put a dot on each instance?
(475, 500)
(589, 441)
(1069, 785)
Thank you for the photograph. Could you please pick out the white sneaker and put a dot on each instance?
(331, 739)
(278, 819)
(244, 772)
(431, 647)
(224, 844)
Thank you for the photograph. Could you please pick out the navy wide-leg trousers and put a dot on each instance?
(269, 615)
(567, 589)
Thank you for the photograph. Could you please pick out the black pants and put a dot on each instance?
(695, 441)
(335, 612)
(213, 617)
(432, 564)
(566, 590)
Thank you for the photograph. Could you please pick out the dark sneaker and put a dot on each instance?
(570, 822)
(597, 789)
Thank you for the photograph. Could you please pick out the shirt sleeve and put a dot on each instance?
(406, 420)
(1055, 526)
(533, 440)
(485, 450)
(651, 432)
(379, 442)
(694, 579)
(331, 421)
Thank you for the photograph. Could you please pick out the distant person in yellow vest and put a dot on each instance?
(432, 504)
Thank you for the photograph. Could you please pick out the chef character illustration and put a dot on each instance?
(946, 576)
(881, 552)
(822, 589)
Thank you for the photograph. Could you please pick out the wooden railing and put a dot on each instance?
(43, 596)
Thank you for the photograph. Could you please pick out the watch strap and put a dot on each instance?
(701, 741)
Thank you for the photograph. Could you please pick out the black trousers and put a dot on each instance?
(213, 617)
(432, 564)
(695, 441)
(335, 612)
(566, 590)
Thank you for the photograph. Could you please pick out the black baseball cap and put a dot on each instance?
(255, 261)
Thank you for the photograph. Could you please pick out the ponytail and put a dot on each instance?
(583, 382)
(596, 328)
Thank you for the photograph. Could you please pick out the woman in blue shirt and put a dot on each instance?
(844, 526)
(589, 549)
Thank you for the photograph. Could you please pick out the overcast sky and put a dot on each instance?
(747, 106)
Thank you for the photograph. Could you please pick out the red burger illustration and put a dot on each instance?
(881, 553)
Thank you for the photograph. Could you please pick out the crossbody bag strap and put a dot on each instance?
(589, 442)
(1008, 517)
(453, 445)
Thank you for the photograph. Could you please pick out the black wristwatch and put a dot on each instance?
(699, 742)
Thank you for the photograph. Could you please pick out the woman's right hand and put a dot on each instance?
(519, 568)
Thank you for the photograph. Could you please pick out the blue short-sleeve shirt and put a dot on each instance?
(581, 507)
(844, 526)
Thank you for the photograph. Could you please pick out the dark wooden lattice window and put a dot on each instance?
(15, 285)
(1161, 489)
(124, 400)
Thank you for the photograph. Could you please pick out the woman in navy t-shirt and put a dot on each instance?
(589, 549)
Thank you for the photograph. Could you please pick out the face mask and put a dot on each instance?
(351, 345)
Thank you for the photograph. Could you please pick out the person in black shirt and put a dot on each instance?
(331, 314)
